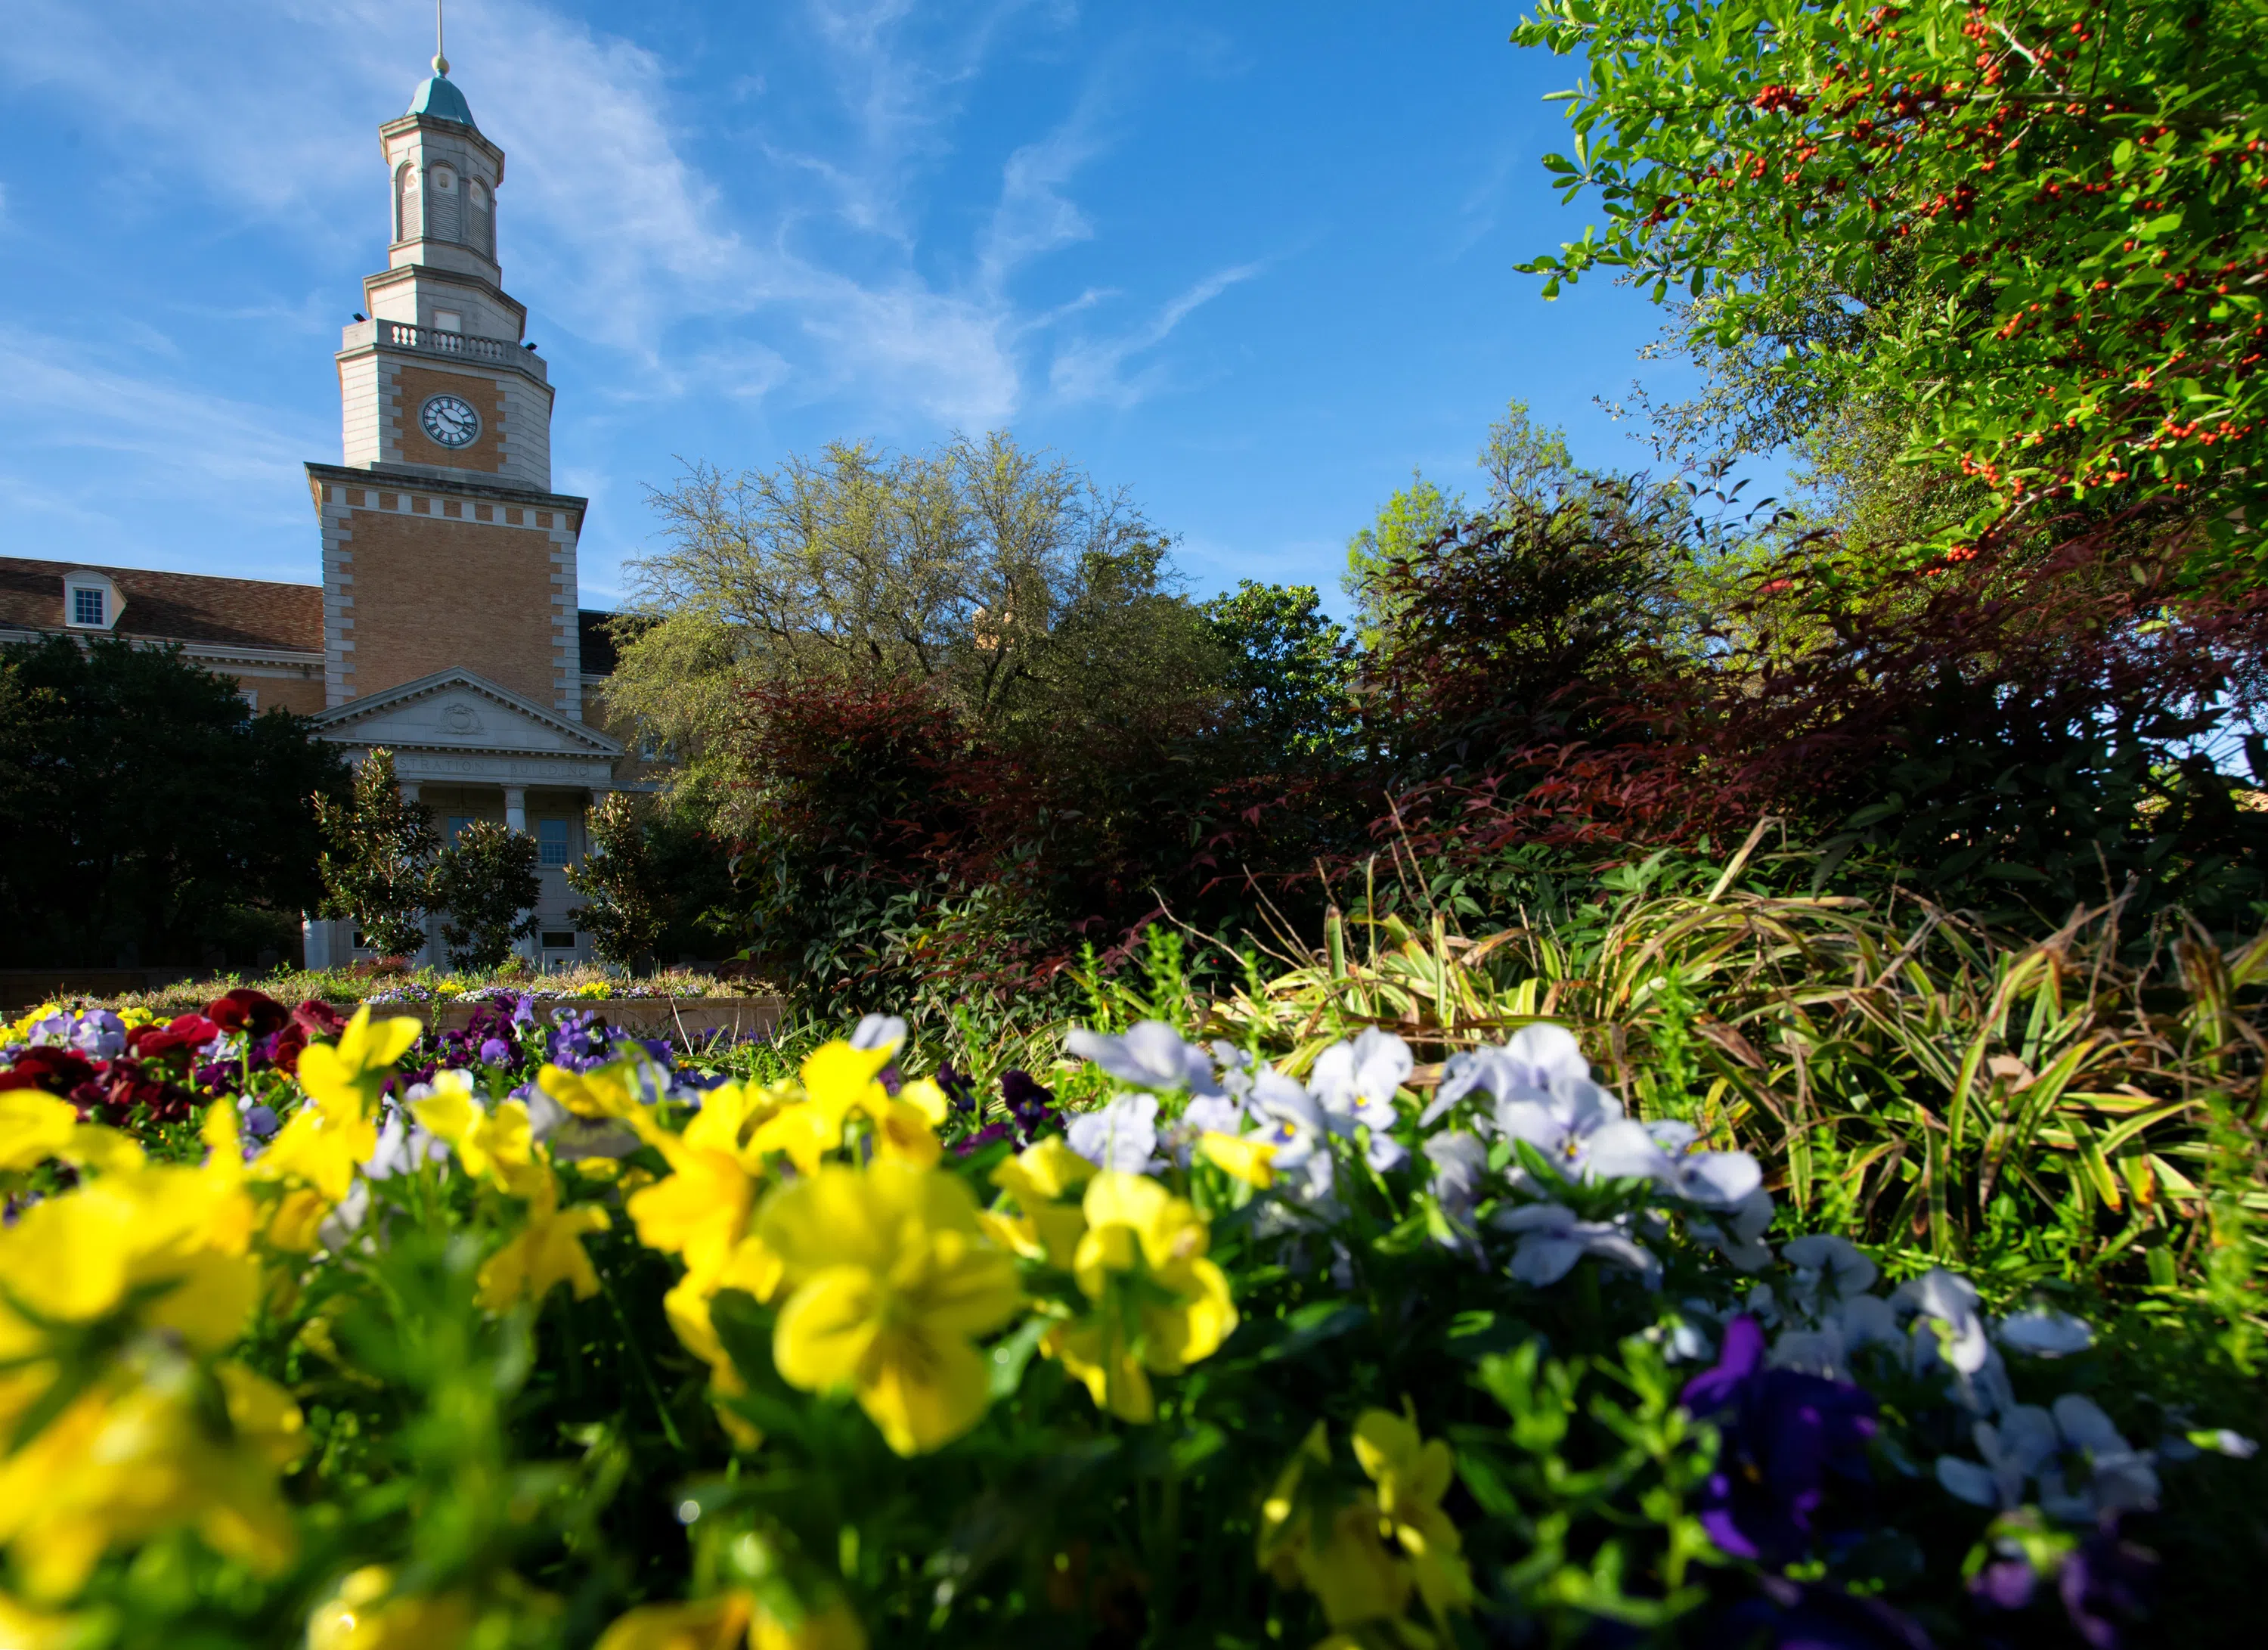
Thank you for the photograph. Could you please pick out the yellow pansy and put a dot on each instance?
(1160, 1305)
(175, 1239)
(109, 1152)
(902, 1131)
(499, 1145)
(1338, 1553)
(365, 1614)
(350, 1074)
(837, 1080)
(932, 1101)
(24, 1628)
(1412, 1473)
(548, 1251)
(840, 1079)
(297, 1221)
(605, 1091)
(710, 1624)
(1037, 1178)
(324, 1143)
(34, 1126)
(140, 1453)
(1248, 1158)
(891, 1282)
(701, 1209)
(728, 1621)
(1043, 1173)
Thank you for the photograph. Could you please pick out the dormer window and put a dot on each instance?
(90, 602)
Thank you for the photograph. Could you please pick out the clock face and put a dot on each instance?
(451, 422)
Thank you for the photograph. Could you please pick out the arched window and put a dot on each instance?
(405, 201)
(480, 225)
(443, 205)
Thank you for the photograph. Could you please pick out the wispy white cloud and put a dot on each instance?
(1093, 370)
(165, 451)
(610, 226)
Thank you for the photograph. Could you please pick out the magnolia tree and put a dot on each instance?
(486, 881)
(374, 865)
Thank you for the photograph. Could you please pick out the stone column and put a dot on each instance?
(515, 820)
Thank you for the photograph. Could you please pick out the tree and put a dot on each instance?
(1289, 674)
(149, 816)
(2020, 245)
(486, 884)
(1411, 518)
(1015, 586)
(650, 879)
(376, 868)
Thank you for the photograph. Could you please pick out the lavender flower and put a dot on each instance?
(1151, 1055)
(1356, 1081)
(1122, 1135)
(1298, 1127)
(878, 1031)
(1552, 1238)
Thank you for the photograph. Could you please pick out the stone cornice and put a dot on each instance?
(472, 135)
(409, 479)
(481, 283)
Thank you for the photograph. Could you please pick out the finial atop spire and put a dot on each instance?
(441, 54)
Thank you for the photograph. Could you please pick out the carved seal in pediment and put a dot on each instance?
(459, 718)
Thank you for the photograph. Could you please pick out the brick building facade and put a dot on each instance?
(446, 627)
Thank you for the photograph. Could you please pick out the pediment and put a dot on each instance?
(458, 714)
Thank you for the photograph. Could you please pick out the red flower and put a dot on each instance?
(123, 1085)
(318, 1018)
(286, 1053)
(245, 1009)
(56, 1071)
(186, 1031)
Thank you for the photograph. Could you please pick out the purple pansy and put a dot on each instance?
(1786, 1436)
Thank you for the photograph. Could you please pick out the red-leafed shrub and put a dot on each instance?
(2013, 727)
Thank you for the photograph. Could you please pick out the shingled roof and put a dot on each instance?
(170, 607)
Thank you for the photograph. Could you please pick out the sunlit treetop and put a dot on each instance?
(2055, 208)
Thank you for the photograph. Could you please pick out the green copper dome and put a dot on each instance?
(439, 98)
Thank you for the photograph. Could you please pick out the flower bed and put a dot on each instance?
(382, 984)
(349, 1334)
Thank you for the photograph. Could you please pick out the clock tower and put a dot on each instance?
(451, 635)
(443, 542)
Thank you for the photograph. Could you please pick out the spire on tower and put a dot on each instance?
(437, 97)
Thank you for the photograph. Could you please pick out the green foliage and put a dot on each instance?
(376, 862)
(2019, 243)
(651, 878)
(486, 884)
(1290, 676)
(149, 816)
(1411, 517)
(1027, 597)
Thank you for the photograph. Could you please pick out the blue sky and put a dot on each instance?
(1252, 262)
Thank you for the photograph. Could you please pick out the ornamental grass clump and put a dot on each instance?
(1270, 1339)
